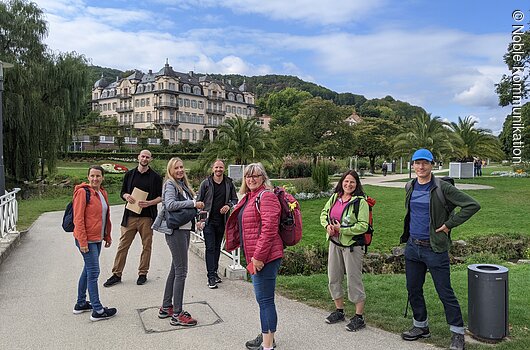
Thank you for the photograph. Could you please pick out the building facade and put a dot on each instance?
(182, 105)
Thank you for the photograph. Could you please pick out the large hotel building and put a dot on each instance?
(182, 105)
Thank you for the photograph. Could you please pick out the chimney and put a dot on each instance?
(190, 73)
(229, 81)
(150, 71)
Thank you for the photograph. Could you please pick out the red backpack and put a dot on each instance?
(290, 216)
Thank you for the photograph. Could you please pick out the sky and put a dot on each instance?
(445, 56)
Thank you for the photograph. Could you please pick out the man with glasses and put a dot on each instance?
(427, 232)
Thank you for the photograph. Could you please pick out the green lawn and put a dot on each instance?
(504, 210)
(387, 295)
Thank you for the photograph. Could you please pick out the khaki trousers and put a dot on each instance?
(141, 225)
(343, 260)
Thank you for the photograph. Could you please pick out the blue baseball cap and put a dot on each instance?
(422, 153)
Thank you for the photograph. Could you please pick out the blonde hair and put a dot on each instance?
(249, 170)
(169, 177)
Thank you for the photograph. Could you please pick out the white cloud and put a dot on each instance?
(311, 11)
(480, 93)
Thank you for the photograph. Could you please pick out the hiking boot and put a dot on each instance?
(165, 312)
(355, 324)
(255, 343)
(80, 308)
(183, 319)
(457, 342)
(211, 283)
(335, 316)
(416, 333)
(112, 280)
(141, 280)
(108, 312)
(218, 279)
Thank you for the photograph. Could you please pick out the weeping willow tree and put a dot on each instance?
(44, 92)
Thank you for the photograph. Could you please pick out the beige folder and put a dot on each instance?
(138, 195)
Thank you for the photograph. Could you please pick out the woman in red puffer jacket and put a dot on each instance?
(256, 232)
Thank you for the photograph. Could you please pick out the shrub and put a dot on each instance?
(523, 167)
(293, 168)
(320, 176)
(305, 185)
(305, 260)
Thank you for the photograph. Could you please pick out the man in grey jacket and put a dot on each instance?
(219, 196)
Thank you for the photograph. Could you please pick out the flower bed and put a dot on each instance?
(114, 168)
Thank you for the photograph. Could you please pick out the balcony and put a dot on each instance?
(123, 96)
(215, 111)
(215, 98)
(166, 91)
(172, 105)
(166, 121)
(124, 109)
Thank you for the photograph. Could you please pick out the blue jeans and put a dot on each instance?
(89, 276)
(264, 282)
(417, 260)
(213, 237)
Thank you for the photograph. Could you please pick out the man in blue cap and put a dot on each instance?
(427, 232)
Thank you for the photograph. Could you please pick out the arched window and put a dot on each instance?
(187, 134)
(201, 134)
(186, 88)
(194, 135)
(196, 90)
(179, 135)
(231, 96)
(207, 134)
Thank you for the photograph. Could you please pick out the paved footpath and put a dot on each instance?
(38, 290)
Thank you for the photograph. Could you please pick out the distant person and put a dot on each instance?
(256, 233)
(479, 167)
(145, 179)
(219, 195)
(92, 226)
(427, 232)
(384, 168)
(345, 255)
(177, 194)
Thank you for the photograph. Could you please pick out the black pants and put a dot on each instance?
(213, 237)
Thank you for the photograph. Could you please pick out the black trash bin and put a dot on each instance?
(487, 303)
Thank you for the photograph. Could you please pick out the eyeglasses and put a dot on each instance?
(253, 177)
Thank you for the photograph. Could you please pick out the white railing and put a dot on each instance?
(198, 236)
(8, 213)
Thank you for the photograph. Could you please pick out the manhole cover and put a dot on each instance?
(200, 310)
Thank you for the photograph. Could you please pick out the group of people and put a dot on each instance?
(427, 229)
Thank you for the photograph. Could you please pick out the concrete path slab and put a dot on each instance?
(38, 283)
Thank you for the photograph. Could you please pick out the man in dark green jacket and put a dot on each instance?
(428, 224)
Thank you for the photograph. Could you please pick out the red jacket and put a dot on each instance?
(260, 241)
(87, 218)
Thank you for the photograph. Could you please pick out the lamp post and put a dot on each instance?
(2, 175)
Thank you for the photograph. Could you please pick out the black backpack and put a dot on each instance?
(68, 217)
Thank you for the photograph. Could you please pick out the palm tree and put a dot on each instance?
(240, 141)
(475, 142)
(425, 132)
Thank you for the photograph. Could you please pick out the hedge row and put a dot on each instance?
(124, 155)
